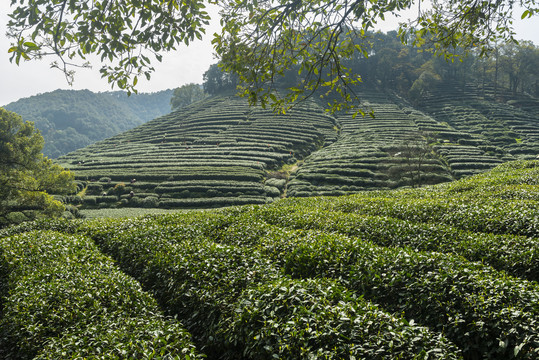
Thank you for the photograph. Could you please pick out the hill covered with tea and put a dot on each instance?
(221, 152)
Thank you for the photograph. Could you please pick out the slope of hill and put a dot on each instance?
(500, 123)
(442, 272)
(213, 153)
(454, 132)
(221, 152)
(70, 119)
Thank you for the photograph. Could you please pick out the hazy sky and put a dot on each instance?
(183, 66)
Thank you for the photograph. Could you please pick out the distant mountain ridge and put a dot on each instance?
(71, 119)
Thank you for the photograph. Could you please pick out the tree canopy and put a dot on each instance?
(217, 80)
(185, 95)
(26, 176)
(124, 34)
(259, 40)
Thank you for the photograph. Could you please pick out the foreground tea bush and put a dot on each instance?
(318, 319)
(516, 255)
(192, 277)
(66, 300)
(485, 312)
(207, 284)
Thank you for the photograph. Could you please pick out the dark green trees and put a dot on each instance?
(26, 176)
(185, 95)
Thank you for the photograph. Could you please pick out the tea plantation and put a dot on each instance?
(453, 132)
(210, 154)
(447, 271)
(221, 152)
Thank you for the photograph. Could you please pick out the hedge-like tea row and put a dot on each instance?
(198, 203)
(517, 255)
(485, 312)
(318, 319)
(212, 287)
(66, 300)
(192, 277)
(499, 216)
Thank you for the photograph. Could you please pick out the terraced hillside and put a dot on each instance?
(213, 153)
(405, 146)
(222, 152)
(498, 123)
(383, 152)
(442, 272)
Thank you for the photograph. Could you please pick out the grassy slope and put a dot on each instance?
(446, 271)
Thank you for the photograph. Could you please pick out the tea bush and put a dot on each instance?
(486, 313)
(67, 300)
(318, 319)
(516, 255)
(444, 292)
(192, 277)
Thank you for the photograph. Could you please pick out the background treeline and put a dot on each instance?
(411, 70)
(70, 119)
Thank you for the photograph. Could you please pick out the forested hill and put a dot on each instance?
(70, 119)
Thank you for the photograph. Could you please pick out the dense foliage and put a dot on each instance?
(26, 176)
(259, 41)
(70, 119)
(186, 95)
(63, 299)
(412, 72)
(123, 34)
(424, 278)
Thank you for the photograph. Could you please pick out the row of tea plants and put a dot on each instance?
(435, 273)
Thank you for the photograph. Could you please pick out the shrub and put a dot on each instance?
(150, 202)
(67, 215)
(94, 189)
(272, 191)
(108, 199)
(513, 254)
(119, 189)
(195, 279)
(276, 182)
(471, 304)
(16, 217)
(67, 298)
(89, 200)
(315, 319)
